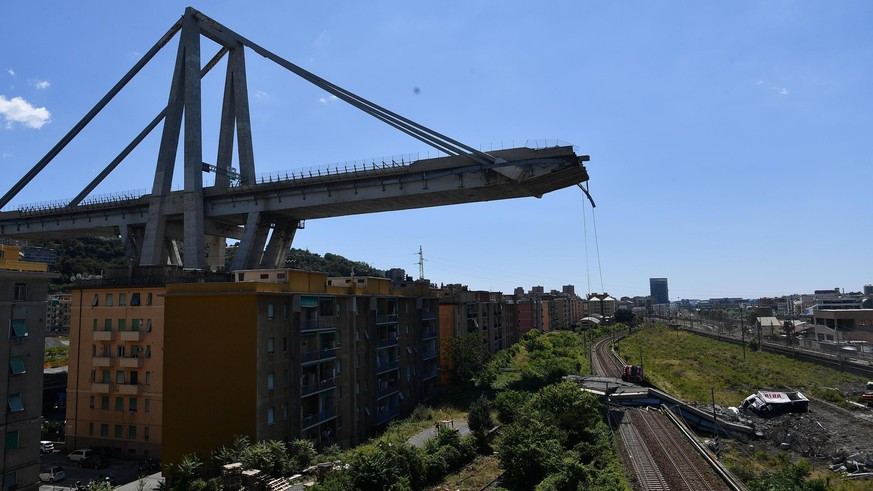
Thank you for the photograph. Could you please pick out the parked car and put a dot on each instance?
(46, 446)
(81, 454)
(94, 462)
(52, 474)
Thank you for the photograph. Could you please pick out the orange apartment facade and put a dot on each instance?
(114, 388)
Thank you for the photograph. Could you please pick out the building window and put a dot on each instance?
(148, 405)
(20, 293)
(107, 325)
(108, 301)
(91, 402)
(119, 377)
(15, 403)
(122, 299)
(284, 344)
(145, 433)
(270, 381)
(106, 376)
(96, 301)
(148, 327)
(269, 311)
(90, 429)
(284, 311)
(271, 345)
(11, 440)
(148, 298)
(148, 378)
(18, 329)
(104, 430)
(16, 365)
(270, 417)
(131, 404)
(134, 299)
(134, 324)
(119, 404)
(131, 432)
(240, 276)
(104, 402)
(119, 431)
(122, 324)
(264, 276)
(10, 480)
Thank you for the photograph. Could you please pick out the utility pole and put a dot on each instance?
(743, 334)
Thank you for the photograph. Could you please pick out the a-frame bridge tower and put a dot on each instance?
(264, 216)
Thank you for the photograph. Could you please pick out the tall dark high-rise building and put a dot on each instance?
(658, 290)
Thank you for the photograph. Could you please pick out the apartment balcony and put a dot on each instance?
(383, 366)
(318, 355)
(310, 420)
(128, 336)
(101, 361)
(99, 388)
(428, 316)
(386, 343)
(429, 394)
(309, 389)
(128, 389)
(103, 335)
(429, 333)
(130, 362)
(429, 374)
(386, 414)
(386, 391)
(386, 319)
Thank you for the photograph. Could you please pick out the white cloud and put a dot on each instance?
(41, 84)
(17, 110)
(782, 90)
(260, 94)
(759, 82)
(6, 155)
(10, 71)
(325, 100)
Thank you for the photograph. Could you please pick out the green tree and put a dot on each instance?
(479, 420)
(467, 355)
(372, 469)
(302, 454)
(187, 474)
(529, 451)
(268, 456)
(509, 404)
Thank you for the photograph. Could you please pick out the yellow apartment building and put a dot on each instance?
(286, 354)
(115, 379)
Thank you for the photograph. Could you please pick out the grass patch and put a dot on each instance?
(472, 477)
(690, 366)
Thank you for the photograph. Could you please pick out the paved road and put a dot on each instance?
(419, 439)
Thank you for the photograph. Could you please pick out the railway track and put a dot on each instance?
(653, 448)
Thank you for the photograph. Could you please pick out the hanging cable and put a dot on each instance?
(585, 229)
(596, 242)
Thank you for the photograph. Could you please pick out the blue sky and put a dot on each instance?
(730, 142)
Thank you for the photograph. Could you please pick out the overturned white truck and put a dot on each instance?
(769, 403)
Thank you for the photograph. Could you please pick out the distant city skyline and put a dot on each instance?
(729, 144)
